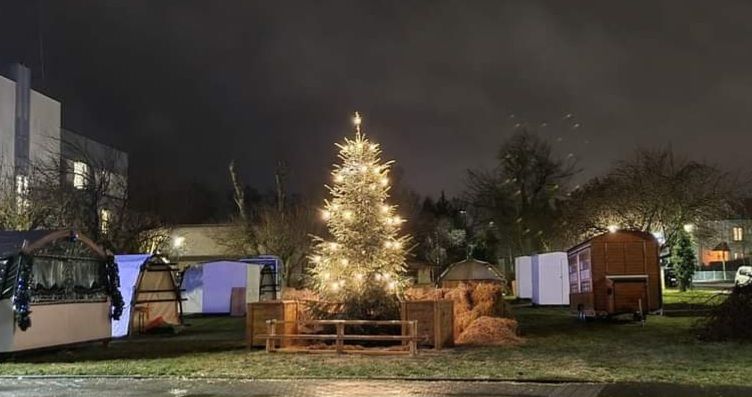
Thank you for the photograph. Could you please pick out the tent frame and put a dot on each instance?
(163, 266)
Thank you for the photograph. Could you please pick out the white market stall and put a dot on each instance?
(56, 288)
(523, 275)
(208, 287)
(550, 278)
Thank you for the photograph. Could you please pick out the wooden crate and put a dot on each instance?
(435, 320)
(258, 313)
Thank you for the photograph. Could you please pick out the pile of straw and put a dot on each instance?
(472, 301)
(490, 331)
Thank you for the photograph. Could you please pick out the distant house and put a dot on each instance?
(727, 242)
(198, 243)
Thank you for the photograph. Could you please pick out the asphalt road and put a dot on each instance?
(128, 387)
(99, 387)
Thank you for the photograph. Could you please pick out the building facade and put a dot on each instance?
(726, 243)
(32, 142)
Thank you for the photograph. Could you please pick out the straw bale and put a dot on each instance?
(490, 331)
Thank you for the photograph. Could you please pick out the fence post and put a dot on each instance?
(414, 338)
(271, 331)
(339, 344)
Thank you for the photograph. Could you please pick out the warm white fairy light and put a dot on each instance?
(364, 246)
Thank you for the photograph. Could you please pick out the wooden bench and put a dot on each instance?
(411, 338)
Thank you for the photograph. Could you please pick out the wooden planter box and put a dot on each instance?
(258, 313)
(435, 321)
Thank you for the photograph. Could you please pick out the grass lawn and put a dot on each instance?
(557, 347)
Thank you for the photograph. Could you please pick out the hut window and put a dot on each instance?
(738, 233)
(574, 281)
(6, 278)
(584, 263)
(62, 279)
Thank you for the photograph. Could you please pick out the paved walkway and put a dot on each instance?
(100, 387)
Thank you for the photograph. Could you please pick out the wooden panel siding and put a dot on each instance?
(615, 256)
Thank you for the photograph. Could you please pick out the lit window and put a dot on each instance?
(80, 174)
(22, 190)
(738, 233)
(104, 220)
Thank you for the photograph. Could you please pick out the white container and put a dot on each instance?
(523, 275)
(550, 282)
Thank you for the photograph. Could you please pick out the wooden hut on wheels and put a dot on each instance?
(56, 288)
(615, 273)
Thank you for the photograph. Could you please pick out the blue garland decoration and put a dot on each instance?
(22, 298)
(113, 287)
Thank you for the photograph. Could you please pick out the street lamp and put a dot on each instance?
(178, 241)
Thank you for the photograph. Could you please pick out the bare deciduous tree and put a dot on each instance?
(653, 191)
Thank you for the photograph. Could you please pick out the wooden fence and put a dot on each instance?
(409, 336)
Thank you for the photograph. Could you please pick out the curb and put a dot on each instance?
(226, 378)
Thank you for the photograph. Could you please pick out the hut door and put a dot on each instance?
(627, 295)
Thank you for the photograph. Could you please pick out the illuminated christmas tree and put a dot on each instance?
(363, 263)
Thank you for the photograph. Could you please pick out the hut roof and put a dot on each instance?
(12, 241)
(637, 233)
(470, 269)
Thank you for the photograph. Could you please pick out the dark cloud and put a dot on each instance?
(185, 86)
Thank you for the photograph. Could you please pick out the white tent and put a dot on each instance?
(550, 279)
(523, 273)
(150, 292)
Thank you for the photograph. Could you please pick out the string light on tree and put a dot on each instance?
(365, 251)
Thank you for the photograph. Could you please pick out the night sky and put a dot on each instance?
(185, 86)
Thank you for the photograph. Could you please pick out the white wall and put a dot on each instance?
(7, 126)
(550, 276)
(523, 275)
(44, 131)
